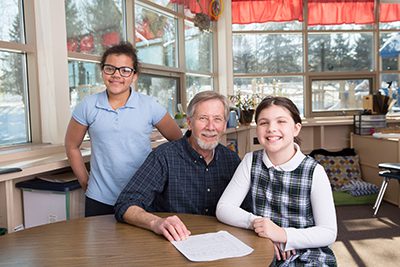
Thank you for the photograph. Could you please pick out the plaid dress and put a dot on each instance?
(285, 198)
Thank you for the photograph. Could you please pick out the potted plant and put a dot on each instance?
(246, 103)
(180, 117)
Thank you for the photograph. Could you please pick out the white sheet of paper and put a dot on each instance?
(212, 246)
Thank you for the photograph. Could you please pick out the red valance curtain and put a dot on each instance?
(195, 6)
(248, 11)
(333, 12)
(320, 12)
(389, 11)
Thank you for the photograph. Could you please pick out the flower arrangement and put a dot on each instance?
(247, 104)
(245, 101)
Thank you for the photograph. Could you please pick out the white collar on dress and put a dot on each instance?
(290, 165)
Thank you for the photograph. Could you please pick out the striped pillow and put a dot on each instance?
(360, 188)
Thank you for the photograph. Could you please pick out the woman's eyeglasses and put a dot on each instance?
(123, 71)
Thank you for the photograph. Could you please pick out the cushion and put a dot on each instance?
(344, 198)
(360, 188)
(340, 169)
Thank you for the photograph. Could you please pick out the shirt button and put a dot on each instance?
(195, 161)
(206, 169)
(208, 190)
(201, 157)
(206, 210)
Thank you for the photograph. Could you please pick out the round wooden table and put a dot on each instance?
(101, 241)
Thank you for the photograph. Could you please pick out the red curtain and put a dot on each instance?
(247, 11)
(320, 12)
(389, 12)
(194, 6)
(332, 12)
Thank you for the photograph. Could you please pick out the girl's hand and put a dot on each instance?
(264, 227)
(282, 255)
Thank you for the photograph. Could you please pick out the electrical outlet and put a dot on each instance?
(52, 218)
(19, 228)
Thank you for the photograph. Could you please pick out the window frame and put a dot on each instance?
(309, 76)
(340, 77)
(181, 70)
(28, 48)
(158, 70)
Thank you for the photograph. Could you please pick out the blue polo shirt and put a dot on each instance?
(120, 140)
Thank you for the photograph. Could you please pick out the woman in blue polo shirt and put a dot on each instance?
(119, 121)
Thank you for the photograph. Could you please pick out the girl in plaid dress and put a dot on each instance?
(291, 198)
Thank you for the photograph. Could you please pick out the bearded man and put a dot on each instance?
(184, 176)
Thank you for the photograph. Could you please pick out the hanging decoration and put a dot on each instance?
(202, 20)
(205, 11)
(215, 9)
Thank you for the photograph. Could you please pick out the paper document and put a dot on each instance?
(212, 246)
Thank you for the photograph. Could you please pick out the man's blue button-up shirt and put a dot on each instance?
(175, 178)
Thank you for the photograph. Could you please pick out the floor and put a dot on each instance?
(365, 240)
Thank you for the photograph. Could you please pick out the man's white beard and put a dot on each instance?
(206, 146)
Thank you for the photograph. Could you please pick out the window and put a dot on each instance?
(327, 63)
(287, 86)
(268, 60)
(199, 60)
(177, 58)
(339, 95)
(92, 27)
(267, 53)
(389, 53)
(165, 89)
(156, 36)
(198, 49)
(14, 98)
(340, 52)
(162, 31)
(197, 83)
(84, 79)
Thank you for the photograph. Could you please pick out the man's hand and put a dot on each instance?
(264, 227)
(171, 227)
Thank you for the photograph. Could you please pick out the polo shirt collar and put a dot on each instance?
(290, 165)
(102, 100)
(132, 100)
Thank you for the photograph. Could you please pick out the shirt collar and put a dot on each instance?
(132, 100)
(289, 165)
(102, 100)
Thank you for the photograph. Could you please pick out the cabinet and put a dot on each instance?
(373, 151)
(44, 159)
(241, 136)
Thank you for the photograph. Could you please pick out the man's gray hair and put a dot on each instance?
(205, 96)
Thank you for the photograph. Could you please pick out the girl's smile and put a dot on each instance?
(276, 130)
